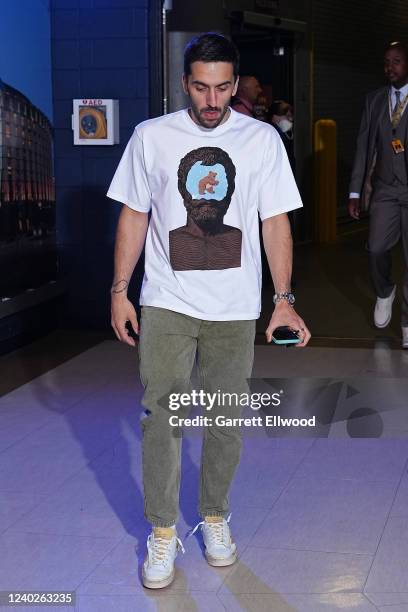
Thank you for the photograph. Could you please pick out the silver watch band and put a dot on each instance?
(286, 295)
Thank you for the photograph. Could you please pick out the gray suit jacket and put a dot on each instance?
(365, 156)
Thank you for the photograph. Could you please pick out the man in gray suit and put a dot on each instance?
(379, 181)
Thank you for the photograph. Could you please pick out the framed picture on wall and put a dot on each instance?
(95, 121)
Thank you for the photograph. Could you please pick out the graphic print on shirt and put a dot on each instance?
(206, 182)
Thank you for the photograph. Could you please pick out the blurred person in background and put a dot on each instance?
(246, 98)
(280, 115)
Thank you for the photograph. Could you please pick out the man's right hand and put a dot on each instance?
(354, 208)
(122, 310)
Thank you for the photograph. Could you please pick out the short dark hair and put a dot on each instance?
(398, 46)
(211, 47)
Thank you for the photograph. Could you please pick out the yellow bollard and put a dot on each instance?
(325, 180)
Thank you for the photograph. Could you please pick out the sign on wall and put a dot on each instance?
(95, 121)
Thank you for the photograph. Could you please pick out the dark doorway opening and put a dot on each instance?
(267, 53)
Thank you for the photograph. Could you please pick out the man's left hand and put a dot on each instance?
(286, 315)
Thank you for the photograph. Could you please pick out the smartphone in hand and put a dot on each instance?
(131, 331)
(285, 335)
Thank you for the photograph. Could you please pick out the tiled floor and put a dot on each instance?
(320, 518)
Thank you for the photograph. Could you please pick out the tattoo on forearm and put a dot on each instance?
(119, 286)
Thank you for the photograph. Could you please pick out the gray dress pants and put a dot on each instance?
(388, 224)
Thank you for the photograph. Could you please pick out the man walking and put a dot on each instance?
(380, 171)
(201, 290)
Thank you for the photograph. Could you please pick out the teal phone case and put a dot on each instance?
(286, 341)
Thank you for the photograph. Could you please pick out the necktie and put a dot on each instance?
(396, 111)
(397, 101)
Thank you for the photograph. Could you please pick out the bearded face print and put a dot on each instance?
(206, 182)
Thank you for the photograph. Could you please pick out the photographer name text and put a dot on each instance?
(255, 421)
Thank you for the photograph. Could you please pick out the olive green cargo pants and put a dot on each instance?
(170, 343)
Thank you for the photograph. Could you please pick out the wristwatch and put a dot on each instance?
(289, 297)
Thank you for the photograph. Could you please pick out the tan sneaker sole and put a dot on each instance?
(158, 584)
(221, 562)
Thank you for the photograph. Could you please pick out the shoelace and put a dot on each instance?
(160, 549)
(217, 532)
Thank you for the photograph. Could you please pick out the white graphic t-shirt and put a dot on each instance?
(205, 188)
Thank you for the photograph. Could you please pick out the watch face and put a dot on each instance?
(291, 298)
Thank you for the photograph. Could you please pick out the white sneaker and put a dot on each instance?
(404, 337)
(220, 549)
(158, 567)
(383, 310)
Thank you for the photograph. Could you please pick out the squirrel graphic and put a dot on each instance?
(207, 183)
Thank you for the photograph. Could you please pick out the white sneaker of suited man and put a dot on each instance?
(383, 309)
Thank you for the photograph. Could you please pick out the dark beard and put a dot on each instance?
(207, 214)
(196, 112)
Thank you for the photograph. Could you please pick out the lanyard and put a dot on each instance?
(401, 105)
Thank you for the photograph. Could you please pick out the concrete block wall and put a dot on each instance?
(100, 49)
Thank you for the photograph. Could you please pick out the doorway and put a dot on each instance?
(278, 53)
(267, 54)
